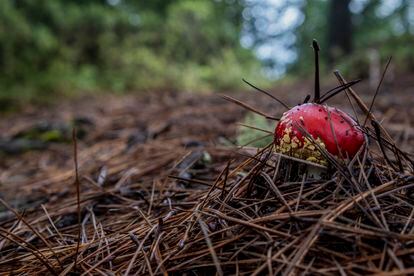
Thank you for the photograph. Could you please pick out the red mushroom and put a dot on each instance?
(331, 128)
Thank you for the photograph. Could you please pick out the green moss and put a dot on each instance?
(253, 137)
(52, 136)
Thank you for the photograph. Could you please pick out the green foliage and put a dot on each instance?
(314, 26)
(357, 66)
(253, 137)
(385, 26)
(61, 47)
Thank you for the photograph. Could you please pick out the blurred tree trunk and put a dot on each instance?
(340, 29)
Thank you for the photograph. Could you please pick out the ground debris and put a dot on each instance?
(180, 202)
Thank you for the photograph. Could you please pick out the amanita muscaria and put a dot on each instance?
(330, 128)
(306, 128)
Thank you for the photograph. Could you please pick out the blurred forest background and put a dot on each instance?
(72, 47)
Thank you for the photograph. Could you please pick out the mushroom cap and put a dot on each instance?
(329, 127)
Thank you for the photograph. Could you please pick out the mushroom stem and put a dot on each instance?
(314, 172)
(316, 49)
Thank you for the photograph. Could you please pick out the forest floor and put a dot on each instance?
(143, 158)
